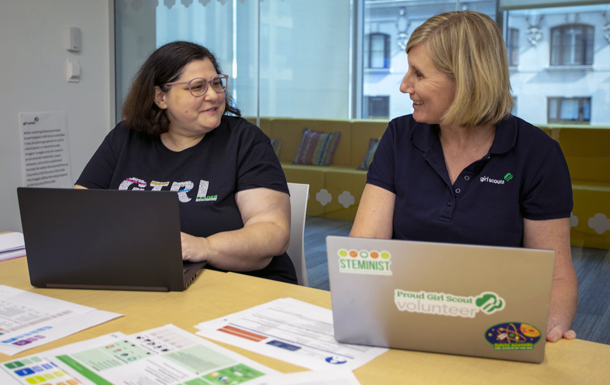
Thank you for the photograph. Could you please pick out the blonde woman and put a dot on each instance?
(461, 168)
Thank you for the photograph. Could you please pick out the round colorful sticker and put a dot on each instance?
(513, 336)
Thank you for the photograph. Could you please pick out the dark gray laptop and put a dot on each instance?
(104, 239)
(438, 297)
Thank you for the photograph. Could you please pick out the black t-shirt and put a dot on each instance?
(233, 157)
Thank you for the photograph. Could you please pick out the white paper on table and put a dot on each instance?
(292, 331)
(30, 320)
(12, 245)
(167, 355)
(322, 377)
(11, 241)
(6, 255)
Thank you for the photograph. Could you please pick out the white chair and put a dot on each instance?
(296, 249)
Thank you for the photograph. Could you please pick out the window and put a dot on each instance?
(376, 107)
(569, 110)
(572, 45)
(512, 46)
(379, 51)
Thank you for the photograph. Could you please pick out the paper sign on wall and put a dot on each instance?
(45, 155)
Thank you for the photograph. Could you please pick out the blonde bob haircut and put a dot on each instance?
(468, 46)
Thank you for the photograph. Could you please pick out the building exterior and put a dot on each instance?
(559, 58)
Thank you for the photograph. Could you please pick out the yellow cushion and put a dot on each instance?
(591, 215)
(345, 186)
(587, 152)
(362, 132)
(314, 177)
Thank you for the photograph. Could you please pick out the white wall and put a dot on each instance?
(33, 79)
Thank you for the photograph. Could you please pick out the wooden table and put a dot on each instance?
(215, 294)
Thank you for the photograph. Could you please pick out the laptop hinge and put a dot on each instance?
(106, 287)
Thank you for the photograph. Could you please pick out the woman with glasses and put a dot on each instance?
(180, 132)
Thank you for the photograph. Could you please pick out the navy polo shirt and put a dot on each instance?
(524, 175)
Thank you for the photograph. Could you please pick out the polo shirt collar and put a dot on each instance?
(506, 136)
(424, 136)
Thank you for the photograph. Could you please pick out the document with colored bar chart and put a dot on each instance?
(28, 320)
(166, 355)
(289, 330)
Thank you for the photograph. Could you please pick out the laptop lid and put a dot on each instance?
(438, 297)
(103, 239)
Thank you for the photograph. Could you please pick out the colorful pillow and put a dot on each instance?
(368, 158)
(276, 144)
(317, 148)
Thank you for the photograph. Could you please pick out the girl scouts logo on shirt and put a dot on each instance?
(486, 179)
(364, 262)
(513, 336)
(448, 304)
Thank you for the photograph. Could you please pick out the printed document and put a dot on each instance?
(291, 331)
(163, 356)
(28, 320)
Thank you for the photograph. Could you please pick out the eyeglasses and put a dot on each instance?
(198, 86)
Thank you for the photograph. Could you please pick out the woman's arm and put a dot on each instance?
(554, 234)
(266, 233)
(374, 218)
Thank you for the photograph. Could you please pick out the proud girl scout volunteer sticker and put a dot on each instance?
(447, 304)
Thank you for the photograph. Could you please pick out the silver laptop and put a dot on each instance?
(439, 297)
(104, 239)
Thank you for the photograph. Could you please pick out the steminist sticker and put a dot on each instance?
(448, 304)
(365, 262)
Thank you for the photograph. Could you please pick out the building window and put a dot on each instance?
(569, 110)
(572, 45)
(379, 51)
(512, 46)
(376, 107)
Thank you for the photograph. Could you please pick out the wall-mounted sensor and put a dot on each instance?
(73, 71)
(73, 39)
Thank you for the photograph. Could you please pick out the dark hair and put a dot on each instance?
(165, 65)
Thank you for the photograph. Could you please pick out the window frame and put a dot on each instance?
(386, 50)
(581, 104)
(587, 47)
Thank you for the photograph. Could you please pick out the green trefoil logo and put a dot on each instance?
(508, 177)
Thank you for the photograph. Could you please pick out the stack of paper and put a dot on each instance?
(11, 246)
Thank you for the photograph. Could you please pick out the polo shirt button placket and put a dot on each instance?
(466, 178)
(458, 190)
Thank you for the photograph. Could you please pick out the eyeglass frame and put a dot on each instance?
(207, 84)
